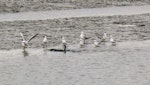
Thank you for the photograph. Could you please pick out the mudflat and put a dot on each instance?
(123, 28)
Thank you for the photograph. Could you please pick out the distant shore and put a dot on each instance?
(23, 5)
(91, 12)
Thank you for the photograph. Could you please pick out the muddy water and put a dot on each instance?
(43, 15)
(125, 64)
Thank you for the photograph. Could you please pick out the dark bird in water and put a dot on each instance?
(25, 43)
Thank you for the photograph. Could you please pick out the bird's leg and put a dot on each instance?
(46, 46)
(83, 41)
(64, 48)
(43, 45)
(24, 48)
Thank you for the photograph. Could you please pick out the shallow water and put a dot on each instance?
(43, 15)
(126, 63)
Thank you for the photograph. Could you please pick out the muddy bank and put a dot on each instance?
(123, 28)
(43, 5)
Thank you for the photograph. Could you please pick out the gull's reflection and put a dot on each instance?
(25, 53)
(45, 51)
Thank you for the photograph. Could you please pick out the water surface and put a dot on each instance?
(127, 63)
(43, 15)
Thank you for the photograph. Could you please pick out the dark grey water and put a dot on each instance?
(125, 64)
(43, 15)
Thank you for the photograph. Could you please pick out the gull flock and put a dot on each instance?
(82, 41)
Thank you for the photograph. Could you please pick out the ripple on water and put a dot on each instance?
(125, 64)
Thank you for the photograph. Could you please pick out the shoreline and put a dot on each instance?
(38, 5)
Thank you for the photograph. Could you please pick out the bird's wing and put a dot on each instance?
(32, 37)
(22, 36)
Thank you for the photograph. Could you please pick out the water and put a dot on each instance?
(127, 63)
(43, 15)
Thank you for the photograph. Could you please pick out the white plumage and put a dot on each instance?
(45, 39)
(64, 44)
(45, 42)
(82, 35)
(96, 43)
(81, 43)
(112, 40)
(105, 35)
(25, 43)
(63, 40)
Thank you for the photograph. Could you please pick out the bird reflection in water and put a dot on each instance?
(25, 53)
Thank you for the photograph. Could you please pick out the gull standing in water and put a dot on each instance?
(82, 36)
(81, 43)
(45, 42)
(113, 42)
(64, 44)
(25, 43)
(96, 43)
(104, 37)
